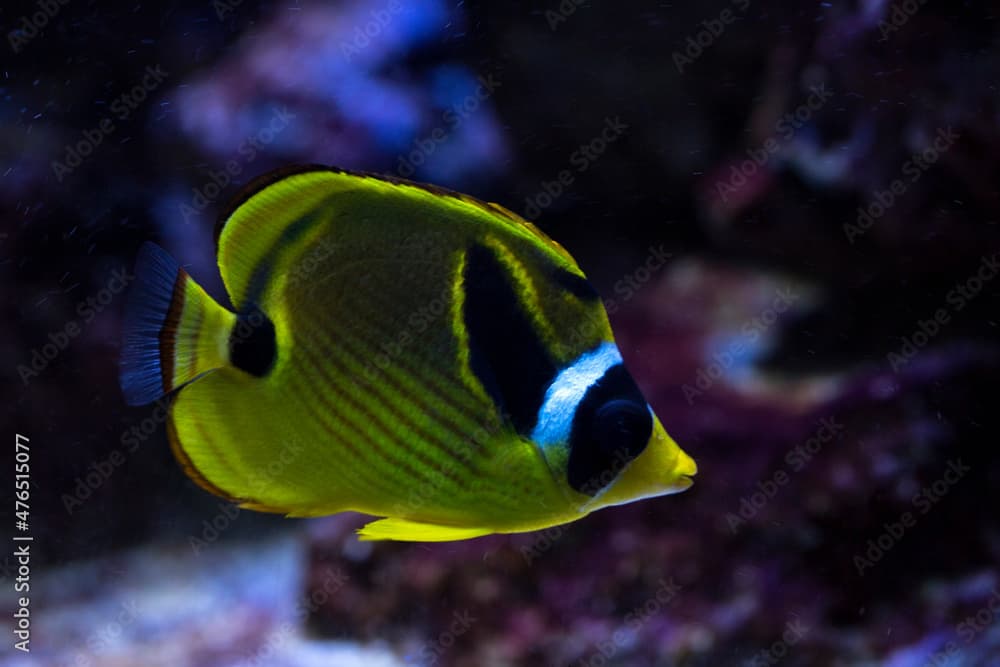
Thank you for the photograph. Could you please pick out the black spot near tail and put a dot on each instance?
(252, 345)
(506, 353)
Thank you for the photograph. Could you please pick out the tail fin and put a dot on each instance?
(173, 331)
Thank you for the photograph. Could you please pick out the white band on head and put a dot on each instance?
(555, 418)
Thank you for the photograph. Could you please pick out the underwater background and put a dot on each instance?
(790, 209)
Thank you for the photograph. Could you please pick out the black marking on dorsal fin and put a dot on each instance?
(505, 351)
(256, 185)
(252, 344)
(575, 284)
(264, 180)
(611, 427)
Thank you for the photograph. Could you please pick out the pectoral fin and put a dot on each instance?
(414, 531)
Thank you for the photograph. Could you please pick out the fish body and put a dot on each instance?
(398, 350)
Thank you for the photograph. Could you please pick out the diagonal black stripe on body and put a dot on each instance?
(505, 351)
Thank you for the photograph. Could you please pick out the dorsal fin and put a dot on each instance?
(289, 206)
(255, 185)
(265, 180)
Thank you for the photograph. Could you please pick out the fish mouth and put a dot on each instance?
(684, 482)
(686, 467)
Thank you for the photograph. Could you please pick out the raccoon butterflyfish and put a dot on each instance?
(399, 350)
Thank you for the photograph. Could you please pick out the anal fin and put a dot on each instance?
(405, 530)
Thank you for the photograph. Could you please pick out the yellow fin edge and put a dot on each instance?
(405, 530)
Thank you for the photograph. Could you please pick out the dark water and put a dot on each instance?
(791, 210)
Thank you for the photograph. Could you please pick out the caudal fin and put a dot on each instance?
(173, 331)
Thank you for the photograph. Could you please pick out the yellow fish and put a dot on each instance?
(399, 350)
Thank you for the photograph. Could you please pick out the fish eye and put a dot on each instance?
(622, 426)
(609, 437)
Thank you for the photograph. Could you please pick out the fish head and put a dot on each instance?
(596, 431)
(641, 465)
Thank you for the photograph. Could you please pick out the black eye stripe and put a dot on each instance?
(611, 427)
